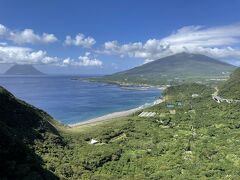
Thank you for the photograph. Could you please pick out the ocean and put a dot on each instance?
(72, 101)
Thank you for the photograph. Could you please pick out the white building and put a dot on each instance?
(93, 141)
(194, 95)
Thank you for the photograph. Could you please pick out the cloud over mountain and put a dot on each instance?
(23, 55)
(219, 42)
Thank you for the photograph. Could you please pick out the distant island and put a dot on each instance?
(23, 69)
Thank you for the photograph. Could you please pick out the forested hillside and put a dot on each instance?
(231, 88)
(21, 125)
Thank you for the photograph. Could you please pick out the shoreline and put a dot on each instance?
(109, 116)
(135, 86)
(114, 115)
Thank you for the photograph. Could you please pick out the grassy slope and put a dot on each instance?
(231, 88)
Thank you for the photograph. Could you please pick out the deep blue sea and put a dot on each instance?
(71, 101)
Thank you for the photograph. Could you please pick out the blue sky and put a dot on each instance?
(101, 37)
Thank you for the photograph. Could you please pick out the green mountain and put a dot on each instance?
(21, 126)
(23, 69)
(175, 69)
(231, 88)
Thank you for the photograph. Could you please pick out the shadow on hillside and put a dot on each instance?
(20, 125)
(17, 160)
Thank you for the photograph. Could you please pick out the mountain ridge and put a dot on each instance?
(174, 69)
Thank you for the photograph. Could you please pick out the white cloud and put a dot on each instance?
(111, 45)
(218, 42)
(26, 36)
(3, 30)
(85, 60)
(80, 40)
(23, 55)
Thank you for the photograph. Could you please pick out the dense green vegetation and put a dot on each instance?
(195, 138)
(20, 126)
(231, 88)
(175, 69)
(199, 141)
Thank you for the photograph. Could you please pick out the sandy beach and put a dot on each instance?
(108, 116)
(116, 114)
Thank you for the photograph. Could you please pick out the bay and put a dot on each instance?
(72, 101)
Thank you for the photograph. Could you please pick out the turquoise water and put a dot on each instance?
(72, 101)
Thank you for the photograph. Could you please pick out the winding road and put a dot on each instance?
(219, 99)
